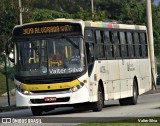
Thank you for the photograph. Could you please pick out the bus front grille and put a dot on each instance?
(48, 80)
(48, 92)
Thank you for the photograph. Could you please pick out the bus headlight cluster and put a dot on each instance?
(25, 92)
(77, 87)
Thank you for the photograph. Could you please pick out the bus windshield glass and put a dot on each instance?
(52, 56)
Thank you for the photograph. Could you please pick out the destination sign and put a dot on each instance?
(51, 29)
(46, 28)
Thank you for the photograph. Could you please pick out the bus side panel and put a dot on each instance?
(110, 90)
(93, 83)
(125, 77)
(103, 75)
(114, 77)
(133, 67)
(145, 75)
(148, 80)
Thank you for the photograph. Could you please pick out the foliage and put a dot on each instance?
(156, 29)
(3, 88)
(8, 20)
(45, 14)
(10, 70)
(10, 73)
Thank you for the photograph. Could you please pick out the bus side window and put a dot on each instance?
(130, 44)
(88, 35)
(109, 45)
(90, 52)
(143, 44)
(115, 36)
(123, 44)
(146, 45)
(140, 45)
(136, 44)
(100, 44)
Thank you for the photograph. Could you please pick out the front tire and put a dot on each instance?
(36, 110)
(97, 106)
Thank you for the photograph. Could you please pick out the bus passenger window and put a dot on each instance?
(90, 52)
(137, 44)
(109, 46)
(116, 42)
(123, 44)
(130, 44)
(143, 44)
(89, 35)
(100, 44)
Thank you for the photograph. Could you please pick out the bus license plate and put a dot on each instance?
(47, 99)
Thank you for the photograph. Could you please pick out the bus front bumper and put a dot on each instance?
(80, 96)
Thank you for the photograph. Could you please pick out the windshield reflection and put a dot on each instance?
(50, 56)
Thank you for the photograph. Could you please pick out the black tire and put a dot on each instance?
(97, 106)
(79, 106)
(133, 100)
(123, 101)
(82, 106)
(36, 110)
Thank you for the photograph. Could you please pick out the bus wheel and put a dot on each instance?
(133, 100)
(123, 102)
(36, 110)
(97, 106)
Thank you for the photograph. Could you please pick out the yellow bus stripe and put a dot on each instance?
(53, 86)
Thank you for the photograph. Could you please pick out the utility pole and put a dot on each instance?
(150, 38)
(20, 12)
(92, 14)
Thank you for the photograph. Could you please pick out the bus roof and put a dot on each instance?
(96, 24)
(113, 25)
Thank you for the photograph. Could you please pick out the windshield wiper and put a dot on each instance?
(70, 41)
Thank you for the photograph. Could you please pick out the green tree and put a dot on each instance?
(156, 29)
(46, 14)
(8, 20)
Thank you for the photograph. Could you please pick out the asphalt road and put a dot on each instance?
(148, 106)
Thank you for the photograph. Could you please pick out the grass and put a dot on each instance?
(3, 87)
(119, 124)
(127, 122)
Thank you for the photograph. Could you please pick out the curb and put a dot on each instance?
(153, 91)
(12, 92)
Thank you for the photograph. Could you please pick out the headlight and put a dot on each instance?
(77, 87)
(22, 90)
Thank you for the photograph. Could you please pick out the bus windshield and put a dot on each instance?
(62, 55)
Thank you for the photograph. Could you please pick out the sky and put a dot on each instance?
(156, 1)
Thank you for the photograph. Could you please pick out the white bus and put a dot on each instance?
(74, 62)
